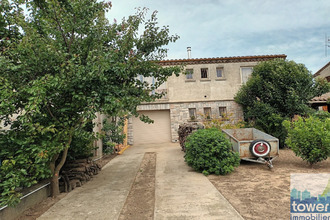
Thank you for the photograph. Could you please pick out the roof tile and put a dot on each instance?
(235, 59)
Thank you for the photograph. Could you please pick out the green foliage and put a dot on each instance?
(223, 122)
(24, 156)
(113, 133)
(278, 90)
(9, 31)
(82, 144)
(309, 138)
(68, 63)
(321, 115)
(209, 151)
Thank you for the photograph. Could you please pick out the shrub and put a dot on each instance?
(323, 115)
(113, 133)
(309, 138)
(209, 151)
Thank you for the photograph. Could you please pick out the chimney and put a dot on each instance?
(189, 52)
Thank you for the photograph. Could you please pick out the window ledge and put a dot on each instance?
(190, 80)
(205, 80)
(220, 79)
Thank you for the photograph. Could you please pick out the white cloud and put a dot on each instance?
(216, 28)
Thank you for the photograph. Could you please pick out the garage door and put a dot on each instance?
(158, 132)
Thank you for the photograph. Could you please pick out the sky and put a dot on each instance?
(226, 28)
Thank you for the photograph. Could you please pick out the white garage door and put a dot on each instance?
(158, 132)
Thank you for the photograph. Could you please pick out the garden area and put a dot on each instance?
(257, 192)
(64, 62)
(276, 108)
(253, 189)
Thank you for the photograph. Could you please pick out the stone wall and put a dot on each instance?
(179, 113)
(130, 131)
(98, 121)
(31, 196)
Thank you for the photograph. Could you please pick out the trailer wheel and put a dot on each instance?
(260, 148)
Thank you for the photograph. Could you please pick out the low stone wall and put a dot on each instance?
(32, 196)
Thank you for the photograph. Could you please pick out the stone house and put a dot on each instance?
(207, 86)
(322, 102)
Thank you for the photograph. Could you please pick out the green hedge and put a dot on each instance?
(309, 138)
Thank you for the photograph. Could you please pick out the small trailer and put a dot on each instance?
(254, 145)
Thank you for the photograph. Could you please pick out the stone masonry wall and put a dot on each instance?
(179, 113)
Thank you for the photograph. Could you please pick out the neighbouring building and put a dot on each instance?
(322, 102)
(207, 86)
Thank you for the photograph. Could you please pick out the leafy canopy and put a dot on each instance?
(277, 90)
(67, 62)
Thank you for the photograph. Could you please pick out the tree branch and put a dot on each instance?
(65, 153)
(51, 114)
(72, 32)
(79, 122)
(60, 29)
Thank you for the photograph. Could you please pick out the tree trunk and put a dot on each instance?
(55, 190)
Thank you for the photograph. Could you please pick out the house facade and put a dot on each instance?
(324, 72)
(321, 103)
(206, 87)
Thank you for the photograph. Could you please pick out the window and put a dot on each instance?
(207, 112)
(220, 72)
(192, 113)
(141, 78)
(189, 73)
(204, 73)
(222, 111)
(246, 73)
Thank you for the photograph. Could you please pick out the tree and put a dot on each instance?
(69, 64)
(8, 28)
(277, 90)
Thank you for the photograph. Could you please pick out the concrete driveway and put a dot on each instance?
(180, 193)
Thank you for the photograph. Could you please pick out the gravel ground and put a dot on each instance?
(257, 192)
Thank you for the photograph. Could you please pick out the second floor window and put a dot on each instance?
(141, 78)
(204, 73)
(189, 73)
(246, 73)
(220, 72)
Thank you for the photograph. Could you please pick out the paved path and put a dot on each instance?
(180, 192)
